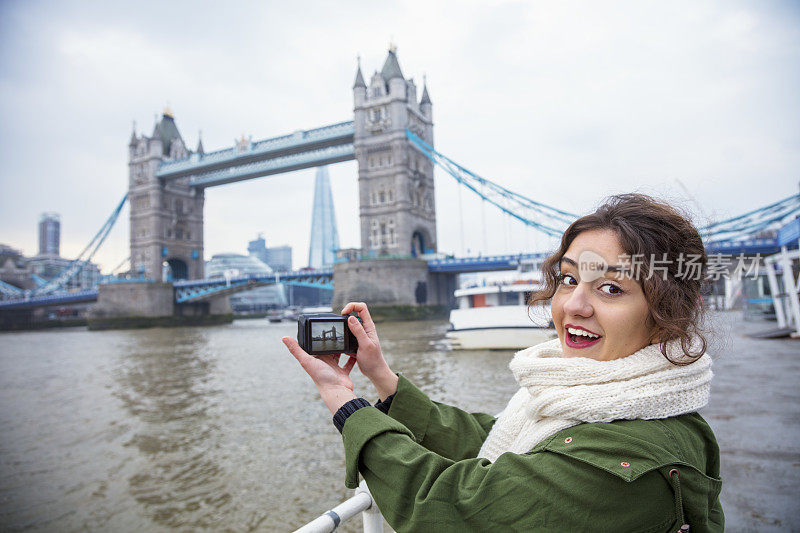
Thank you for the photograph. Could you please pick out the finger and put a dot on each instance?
(358, 330)
(353, 306)
(363, 313)
(302, 357)
(348, 366)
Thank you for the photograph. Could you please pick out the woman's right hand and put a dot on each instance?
(369, 356)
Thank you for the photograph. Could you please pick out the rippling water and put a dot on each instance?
(193, 428)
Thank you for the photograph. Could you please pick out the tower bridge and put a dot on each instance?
(167, 181)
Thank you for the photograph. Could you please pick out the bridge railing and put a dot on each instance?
(362, 503)
(291, 274)
(359, 256)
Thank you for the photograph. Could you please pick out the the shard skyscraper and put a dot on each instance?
(324, 235)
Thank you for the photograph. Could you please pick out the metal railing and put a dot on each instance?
(362, 503)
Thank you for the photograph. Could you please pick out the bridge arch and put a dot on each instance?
(175, 269)
(420, 242)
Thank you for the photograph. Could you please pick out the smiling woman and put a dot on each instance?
(603, 433)
(628, 275)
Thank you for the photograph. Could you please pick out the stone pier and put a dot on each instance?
(140, 304)
(394, 289)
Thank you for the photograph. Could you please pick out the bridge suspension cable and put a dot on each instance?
(544, 218)
(9, 291)
(552, 221)
(120, 265)
(742, 226)
(76, 266)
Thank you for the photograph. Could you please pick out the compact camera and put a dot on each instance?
(326, 333)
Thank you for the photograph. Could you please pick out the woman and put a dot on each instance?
(603, 434)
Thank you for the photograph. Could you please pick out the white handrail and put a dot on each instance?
(362, 503)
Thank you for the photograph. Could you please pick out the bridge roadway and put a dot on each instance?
(199, 290)
(296, 151)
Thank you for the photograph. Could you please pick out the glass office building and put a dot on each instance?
(49, 234)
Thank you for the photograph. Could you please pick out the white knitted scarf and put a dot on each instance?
(558, 392)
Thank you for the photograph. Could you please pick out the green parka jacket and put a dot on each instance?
(420, 465)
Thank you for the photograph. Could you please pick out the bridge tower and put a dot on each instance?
(396, 197)
(397, 208)
(166, 220)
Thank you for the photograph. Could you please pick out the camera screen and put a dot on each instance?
(327, 335)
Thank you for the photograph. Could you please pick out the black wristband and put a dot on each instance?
(346, 410)
(384, 405)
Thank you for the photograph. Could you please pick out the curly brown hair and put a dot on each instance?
(648, 228)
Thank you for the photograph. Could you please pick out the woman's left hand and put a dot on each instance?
(333, 381)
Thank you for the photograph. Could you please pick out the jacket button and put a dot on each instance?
(567, 440)
(625, 464)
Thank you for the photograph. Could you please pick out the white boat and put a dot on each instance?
(495, 316)
(316, 309)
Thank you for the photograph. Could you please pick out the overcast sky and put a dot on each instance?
(564, 102)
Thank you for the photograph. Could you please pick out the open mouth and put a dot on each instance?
(580, 338)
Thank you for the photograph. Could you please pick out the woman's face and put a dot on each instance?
(600, 313)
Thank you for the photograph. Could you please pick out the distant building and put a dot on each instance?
(49, 267)
(32, 272)
(49, 264)
(14, 268)
(324, 234)
(258, 249)
(49, 234)
(255, 300)
(278, 258)
(7, 252)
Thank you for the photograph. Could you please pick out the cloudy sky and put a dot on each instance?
(564, 102)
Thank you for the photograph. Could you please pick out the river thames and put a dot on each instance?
(219, 429)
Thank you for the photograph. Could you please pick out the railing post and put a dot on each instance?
(372, 518)
(777, 302)
(790, 287)
(360, 502)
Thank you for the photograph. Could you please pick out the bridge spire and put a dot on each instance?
(391, 67)
(359, 77)
(134, 138)
(200, 143)
(426, 99)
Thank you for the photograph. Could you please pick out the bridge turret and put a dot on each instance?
(359, 87)
(134, 139)
(200, 149)
(166, 131)
(392, 74)
(425, 105)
